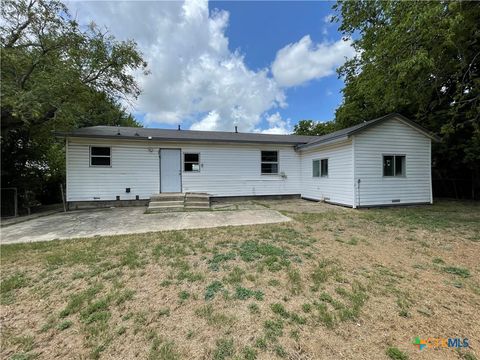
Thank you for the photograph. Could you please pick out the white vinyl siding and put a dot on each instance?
(226, 170)
(392, 137)
(337, 186)
(132, 166)
(235, 170)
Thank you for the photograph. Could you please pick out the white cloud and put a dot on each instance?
(277, 125)
(193, 72)
(303, 61)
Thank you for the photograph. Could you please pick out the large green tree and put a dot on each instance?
(56, 75)
(421, 59)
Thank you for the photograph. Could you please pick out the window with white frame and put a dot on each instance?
(100, 156)
(269, 163)
(316, 168)
(394, 165)
(191, 162)
(320, 168)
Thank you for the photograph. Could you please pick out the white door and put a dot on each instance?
(170, 170)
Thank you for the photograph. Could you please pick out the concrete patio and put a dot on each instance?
(131, 220)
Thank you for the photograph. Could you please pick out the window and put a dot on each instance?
(191, 162)
(269, 162)
(324, 168)
(100, 156)
(316, 168)
(393, 165)
(320, 168)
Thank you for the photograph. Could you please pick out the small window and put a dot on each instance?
(191, 162)
(100, 156)
(394, 165)
(324, 168)
(316, 168)
(269, 162)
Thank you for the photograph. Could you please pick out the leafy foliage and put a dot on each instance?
(421, 59)
(56, 75)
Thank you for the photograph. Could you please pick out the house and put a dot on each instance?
(385, 161)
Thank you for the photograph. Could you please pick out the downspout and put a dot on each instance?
(358, 190)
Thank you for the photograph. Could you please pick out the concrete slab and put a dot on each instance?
(132, 220)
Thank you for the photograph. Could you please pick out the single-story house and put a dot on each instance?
(385, 161)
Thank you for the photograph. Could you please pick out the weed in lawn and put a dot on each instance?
(212, 289)
(164, 312)
(235, 276)
(294, 281)
(273, 329)
(65, 324)
(183, 295)
(166, 283)
(307, 307)
(224, 349)
(212, 317)
(123, 296)
(279, 309)
(295, 335)
(467, 356)
(404, 303)
(438, 261)
(131, 258)
(273, 282)
(217, 259)
(77, 300)
(261, 343)
(25, 342)
(459, 271)
(190, 276)
(324, 315)
(162, 350)
(242, 293)
(9, 285)
(353, 241)
(254, 309)
(97, 311)
(249, 353)
(322, 272)
(396, 354)
(280, 351)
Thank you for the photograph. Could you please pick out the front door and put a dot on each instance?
(170, 170)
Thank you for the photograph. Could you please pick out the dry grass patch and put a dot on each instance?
(360, 283)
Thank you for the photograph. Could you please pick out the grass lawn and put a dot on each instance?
(333, 283)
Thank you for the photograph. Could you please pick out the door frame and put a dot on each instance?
(160, 168)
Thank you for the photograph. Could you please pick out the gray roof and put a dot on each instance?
(114, 132)
(364, 126)
(301, 142)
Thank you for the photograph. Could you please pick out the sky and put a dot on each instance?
(261, 66)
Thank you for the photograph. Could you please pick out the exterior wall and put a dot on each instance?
(338, 186)
(226, 170)
(392, 137)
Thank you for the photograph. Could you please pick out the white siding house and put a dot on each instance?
(385, 161)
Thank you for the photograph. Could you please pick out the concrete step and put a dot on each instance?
(167, 197)
(166, 203)
(197, 204)
(164, 209)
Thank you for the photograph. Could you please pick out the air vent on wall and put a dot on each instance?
(395, 200)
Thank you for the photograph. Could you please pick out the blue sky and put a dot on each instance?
(260, 65)
(260, 29)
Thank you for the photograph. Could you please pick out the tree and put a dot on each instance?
(56, 75)
(421, 59)
(312, 128)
